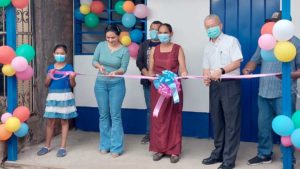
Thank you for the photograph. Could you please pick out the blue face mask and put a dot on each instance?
(59, 58)
(153, 34)
(213, 32)
(164, 38)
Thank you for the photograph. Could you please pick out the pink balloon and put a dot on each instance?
(5, 116)
(141, 11)
(25, 75)
(133, 50)
(20, 64)
(266, 42)
(286, 141)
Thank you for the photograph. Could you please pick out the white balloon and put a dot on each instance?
(283, 30)
(87, 2)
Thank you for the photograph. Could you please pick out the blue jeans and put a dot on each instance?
(110, 95)
(268, 109)
(147, 101)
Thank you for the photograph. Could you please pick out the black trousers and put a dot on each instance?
(224, 106)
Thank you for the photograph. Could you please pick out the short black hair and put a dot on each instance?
(113, 28)
(62, 46)
(167, 25)
(156, 22)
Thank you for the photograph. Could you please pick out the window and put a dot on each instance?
(86, 39)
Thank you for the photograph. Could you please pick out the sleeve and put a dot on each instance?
(140, 58)
(125, 60)
(297, 58)
(256, 56)
(97, 54)
(205, 62)
(235, 51)
(70, 68)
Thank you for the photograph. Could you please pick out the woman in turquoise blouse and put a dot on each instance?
(110, 58)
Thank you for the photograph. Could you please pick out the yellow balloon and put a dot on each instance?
(285, 51)
(12, 124)
(8, 70)
(126, 41)
(122, 34)
(84, 9)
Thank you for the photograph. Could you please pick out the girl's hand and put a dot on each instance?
(184, 75)
(72, 75)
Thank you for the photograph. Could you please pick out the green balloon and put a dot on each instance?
(4, 3)
(91, 20)
(119, 7)
(26, 51)
(296, 119)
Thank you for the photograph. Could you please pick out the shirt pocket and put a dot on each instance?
(225, 57)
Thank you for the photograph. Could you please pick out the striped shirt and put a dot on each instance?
(270, 87)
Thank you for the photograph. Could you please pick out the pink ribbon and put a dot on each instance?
(52, 72)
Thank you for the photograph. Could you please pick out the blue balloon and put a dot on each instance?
(78, 15)
(268, 55)
(136, 35)
(295, 138)
(23, 130)
(128, 20)
(283, 125)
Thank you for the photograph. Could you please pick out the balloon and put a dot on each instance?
(136, 35)
(119, 7)
(6, 54)
(266, 42)
(86, 2)
(267, 28)
(26, 51)
(295, 137)
(97, 7)
(12, 124)
(4, 134)
(123, 33)
(286, 141)
(283, 30)
(78, 15)
(23, 130)
(141, 11)
(8, 70)
(85, 9)
(91, 20)
(128, 6)
(4, 3)
(268, 55)
(296, 119)
(20, 3)
(133, 50)
(20, 64)
(25, 75)
(126, 40)
(285, 51)
(5, 116)
(128, 20)
(22, 113)
(283, 125)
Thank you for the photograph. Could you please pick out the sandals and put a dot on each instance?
(158, 156)
(115, 155)
(174, 158)
(43, 151)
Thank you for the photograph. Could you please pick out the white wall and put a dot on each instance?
(189, 33)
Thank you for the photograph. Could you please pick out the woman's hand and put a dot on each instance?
(102, 69)
(112, 74)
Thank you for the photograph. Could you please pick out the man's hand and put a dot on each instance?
(216, 74)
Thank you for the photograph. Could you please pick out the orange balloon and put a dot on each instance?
(22, 113)
(7, 54)
(20, 3)
(267, 28)
(122, 34)
(129, 6)
(4, 134)
(97, 7)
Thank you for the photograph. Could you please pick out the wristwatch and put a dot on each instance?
(223, 71)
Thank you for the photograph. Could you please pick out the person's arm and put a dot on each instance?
(96, 57)
(151, 63)
(124, 64)
(206, 80)
(72, 78)
(182, 66)
(141, 63)
(48, 77)
(254, 61)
